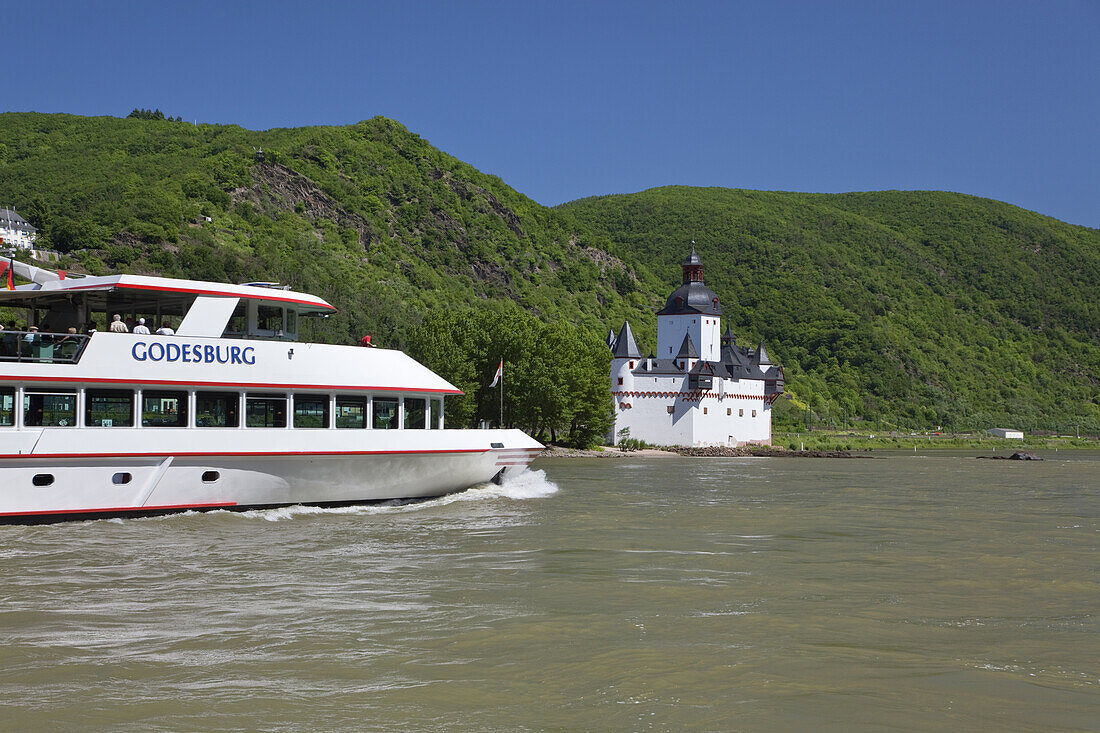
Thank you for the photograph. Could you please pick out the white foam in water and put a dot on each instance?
(531, 484)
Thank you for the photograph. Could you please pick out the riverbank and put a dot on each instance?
(557, 451)
(760, 451)
(852, 441)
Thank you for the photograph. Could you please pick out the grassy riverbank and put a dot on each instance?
(839, 440)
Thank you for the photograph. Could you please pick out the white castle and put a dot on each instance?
(701, 388)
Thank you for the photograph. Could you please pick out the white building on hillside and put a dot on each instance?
(700, 388)
(15, 231)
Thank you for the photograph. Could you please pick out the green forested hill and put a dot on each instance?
(369, 216)
(925, 307)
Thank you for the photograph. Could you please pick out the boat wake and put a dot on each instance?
(531, 484)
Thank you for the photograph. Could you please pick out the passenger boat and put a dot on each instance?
(229, 412)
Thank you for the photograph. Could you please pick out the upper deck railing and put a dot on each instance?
(41, 348)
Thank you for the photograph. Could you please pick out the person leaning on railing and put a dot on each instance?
(68, 345)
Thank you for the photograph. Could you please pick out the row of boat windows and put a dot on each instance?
(109, 408)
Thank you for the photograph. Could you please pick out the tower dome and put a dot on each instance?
(692, 296)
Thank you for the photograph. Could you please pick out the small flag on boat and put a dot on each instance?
(500, 372)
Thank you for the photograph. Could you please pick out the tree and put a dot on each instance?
(555, 375)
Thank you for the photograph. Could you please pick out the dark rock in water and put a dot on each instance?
(1017, 456)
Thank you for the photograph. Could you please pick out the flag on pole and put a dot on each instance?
(500, 372)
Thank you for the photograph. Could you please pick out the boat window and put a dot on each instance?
(351, 412)
(7, 406)
(217, 409)
(436, 419)
(385, 414)
(291, 321)
(270, 318)
(415, 409)
(238, 322)
(310, 411)
(163, 409)
(49, 409)
(109, 408)
(265, 411)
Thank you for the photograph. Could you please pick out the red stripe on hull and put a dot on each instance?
(240, 385)
(120, 509)
(246, 454)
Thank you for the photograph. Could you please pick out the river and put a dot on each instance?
(900, 592)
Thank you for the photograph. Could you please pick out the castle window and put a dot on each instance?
(729, 411)
(631, 365)
(620, 380)
(704, 411)
(740, 413)
(671, 409)
(754, 413)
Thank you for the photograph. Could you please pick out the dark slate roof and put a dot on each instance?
(692, 297)
(738, 363)
(625, 345)
(10, 219)
(693, 259)
(687, 349)
(660, 366)
(761, 356)
(610, 339)
(707, 368)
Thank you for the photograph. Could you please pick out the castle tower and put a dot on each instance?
(624, 358)
(692, 310)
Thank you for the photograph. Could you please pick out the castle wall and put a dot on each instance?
(705, 332)
(719, 417)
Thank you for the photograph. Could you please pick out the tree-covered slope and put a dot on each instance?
(921, 307)
(928, 307)
(369, 216)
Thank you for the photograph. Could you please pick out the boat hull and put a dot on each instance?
(52, 485)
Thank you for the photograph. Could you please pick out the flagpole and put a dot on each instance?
(502, 393)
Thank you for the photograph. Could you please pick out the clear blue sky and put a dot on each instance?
(569, 99)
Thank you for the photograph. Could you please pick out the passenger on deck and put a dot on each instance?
(118, 326)
(166, 329)
(68, 344)
(141, 327)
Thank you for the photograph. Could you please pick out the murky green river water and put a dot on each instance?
(900, 593)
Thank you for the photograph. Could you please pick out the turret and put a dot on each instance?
(687, 355)
(692, 309)
(624, 359)
(728, 339)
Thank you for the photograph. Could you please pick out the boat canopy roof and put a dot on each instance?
(100, 292)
